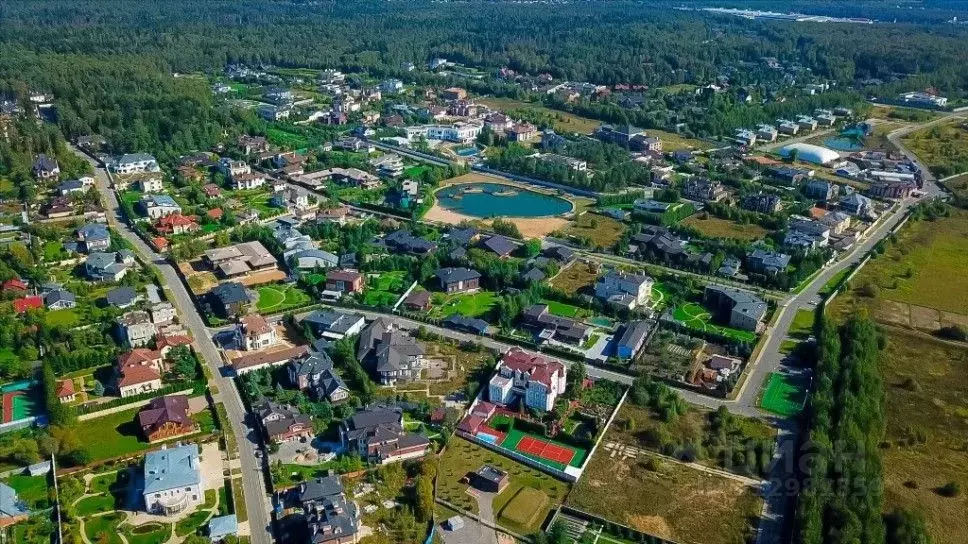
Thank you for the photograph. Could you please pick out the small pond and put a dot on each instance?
(498, 200)
(851, 139)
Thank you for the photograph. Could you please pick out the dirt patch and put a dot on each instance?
(897, 313)
(948, 318)
(653, 525)
(925, 318)
(535, 227)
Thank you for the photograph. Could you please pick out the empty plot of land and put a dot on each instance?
(926, 414)
(723, 228)
(925, 267)
(671, 500)
(943, 146)
(575, 277)
(600, 231)
(563, 121)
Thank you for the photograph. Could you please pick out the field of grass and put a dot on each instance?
(784, 395)
(31, 489)
(926, 267)
(802, 326)
(564, 122)
(524, 509)
(278, 298)
(943, 147)
(926, 384)
(723, 228)
(104, 529)
(95, 505)
(191, 524)
(695, 316)
(149, 533)
(833, 282)
(601, 231)
(575, 277)
(384, 289)
(112, 435)
(467, 304)
(958, 185)
(286, 139)
(671, 501)
(65, 318)
(462, 457)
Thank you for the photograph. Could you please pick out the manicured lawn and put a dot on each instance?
(415, 172)
(524, 508)
(384, 289)
(95, 505)
(286, 139)
(279, 298)
(784, 395)
(468, 304)
(695, 316)
(563, 309)
(62, 318)
(112, 435)
(192, 523)
(149, 533)
(30, 489)
(723, 228)
(802, 325)
(103, 529)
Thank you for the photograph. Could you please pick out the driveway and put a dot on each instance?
(474, 532)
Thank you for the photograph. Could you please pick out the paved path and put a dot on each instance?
(796, 139)
(895, 136)
(253, 482)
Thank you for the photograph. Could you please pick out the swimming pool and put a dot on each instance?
(489, 438)
(22, 385)
(467, 151)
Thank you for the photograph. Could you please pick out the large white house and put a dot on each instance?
(255, 333)
(173, 482)
(135, 163)
(457, 132)
(628, 290)
(538, 381)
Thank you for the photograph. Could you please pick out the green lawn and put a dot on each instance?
(65, 318)
(697, 317)
(112, 435)
(192, 523)
(95, 505)
(384, 289)
(802, 326)
(415, 171)
(103, 529)
(562, 309)
(278, 298)
(834, 281)
(149, 533)
(784, 395)
(30, 489)
(468, 304)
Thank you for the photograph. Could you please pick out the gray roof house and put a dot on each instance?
(94, 236)
(108, 266)
(223, 526)
(740, 309)
(502, 246)
(390, 353)
(12, 509)
(767, 262)
(59, 299)
(121, 297)
(329, 516)
(314, 372)
(377, 433)
(333, 324)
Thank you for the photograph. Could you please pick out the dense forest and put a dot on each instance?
(841, 499)
(109, 63)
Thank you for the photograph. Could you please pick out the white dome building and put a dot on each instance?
(810, 153)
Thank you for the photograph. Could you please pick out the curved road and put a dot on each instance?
(253, 483)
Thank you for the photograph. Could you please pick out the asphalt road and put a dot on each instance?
(253, 483)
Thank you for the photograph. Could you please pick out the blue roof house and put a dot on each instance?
(173, 481)
(12, 509)
(223, 526)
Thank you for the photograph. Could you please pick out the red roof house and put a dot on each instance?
(21, 305)
(15, 284)
(176, 223)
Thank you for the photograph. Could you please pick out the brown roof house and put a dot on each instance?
(282, 423)
(166, 417)
(344, 281)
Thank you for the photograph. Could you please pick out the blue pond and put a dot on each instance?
(497, 200)
(851, 139)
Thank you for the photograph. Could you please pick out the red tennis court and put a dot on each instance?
(547, 450)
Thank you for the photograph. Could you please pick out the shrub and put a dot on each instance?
(950, 489)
